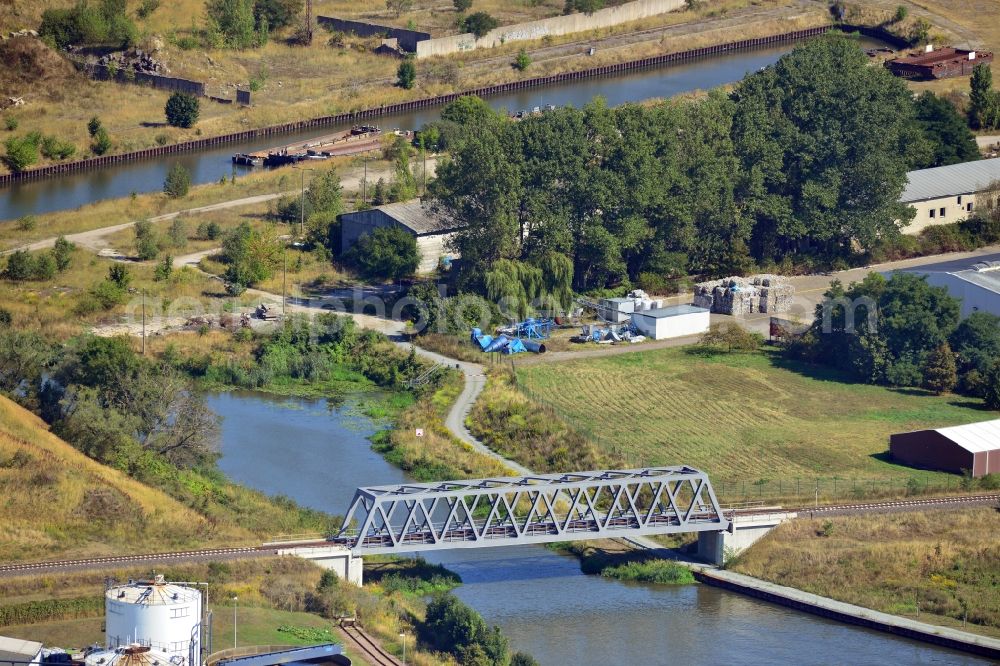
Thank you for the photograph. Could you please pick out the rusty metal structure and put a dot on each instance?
(941, 63)
(540, 508)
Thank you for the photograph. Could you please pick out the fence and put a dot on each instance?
(363, 114)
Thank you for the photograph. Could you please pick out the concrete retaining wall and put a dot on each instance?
(407, 39)
(557, 25)
(121, 75)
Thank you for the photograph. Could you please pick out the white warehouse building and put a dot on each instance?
(675, 321)
(160, 615)
(946, 194)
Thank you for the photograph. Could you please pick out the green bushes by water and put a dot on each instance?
(663, 572)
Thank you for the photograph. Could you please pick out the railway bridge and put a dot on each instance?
(533, 509)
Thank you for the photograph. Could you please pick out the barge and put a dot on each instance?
(940, 63)
(355, 140)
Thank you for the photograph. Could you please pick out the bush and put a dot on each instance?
(522, 61)
(62, 252)
(120, 276)
(22, 152)
(406, 75)
(164, 269)
(664, 572)
(20, 266)
(27, 223)
(103, 23)
(102, 142)
(178, 182)
(146, 8)
(462, 5)
(479, 23)
(276, 13)
(10, 123)
(93, 126)
(182, 110)
(54, 149)
(108, 294)
(147, 245)
(731, 336)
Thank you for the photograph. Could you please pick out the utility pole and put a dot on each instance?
(284, 274)
(309, 22)
(143, 322)
(302, 203)
(364, 181)
(234, 621)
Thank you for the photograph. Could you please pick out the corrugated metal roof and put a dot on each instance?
(17, 649)
(951, 180)
(419, 217)
(987, 280)
(672, 311)
(975, 437)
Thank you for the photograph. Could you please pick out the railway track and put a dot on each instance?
(372, 652)
(125, 560)
(28, 568)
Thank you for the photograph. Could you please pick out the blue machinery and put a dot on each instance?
(540, 508)
(524, 336)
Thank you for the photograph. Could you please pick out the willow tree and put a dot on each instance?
(514, 285)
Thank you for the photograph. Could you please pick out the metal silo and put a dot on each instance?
(165, 617)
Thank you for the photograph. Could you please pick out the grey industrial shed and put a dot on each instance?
(974, 447)
(945, 194)
(431, 226)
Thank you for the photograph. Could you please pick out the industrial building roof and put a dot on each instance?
(18, 650)
(951, 180)
(974, 437)
(417, 216)
(314, 654)
(672, 311)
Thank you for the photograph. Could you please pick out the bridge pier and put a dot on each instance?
(745, 530)
(337, 559)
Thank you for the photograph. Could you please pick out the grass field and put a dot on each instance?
(940, 567)
(740, 416)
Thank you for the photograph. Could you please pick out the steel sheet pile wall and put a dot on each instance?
(388, 109)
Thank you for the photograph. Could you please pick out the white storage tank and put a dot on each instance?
(132, 655)
(156, 614)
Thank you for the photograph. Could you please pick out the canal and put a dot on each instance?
(317, 453)
(207, 166)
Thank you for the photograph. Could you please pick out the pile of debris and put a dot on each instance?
(137, 60)
(739, 296)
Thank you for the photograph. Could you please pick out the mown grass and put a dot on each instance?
(737, 416)
(937, 566)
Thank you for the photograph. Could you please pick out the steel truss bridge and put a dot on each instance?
(539, 508)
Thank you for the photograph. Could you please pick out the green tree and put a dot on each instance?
(276, 14)
(947, 132)
(399, 7)
(404, 185)
(120, 276)
(462, 5)
(147, 244)
(732, 337)
(20, 266)
(62, 252)
(251, 256)
(984, 102)
(22, 151)
(406, 75)
(585, 6)
(102, 142)
(93, 126)
(523, 659)
(522, 61)
(45, 266)
(178, 234)
(387, 252)
(182, 109)
(940, 372)
(976, 342)
(54, 149)
(991, 387)
(479, 23)
(178, 181)
(824, 139)
(235, 21)
(164, 269)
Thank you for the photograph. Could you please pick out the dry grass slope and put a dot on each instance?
(941, 566)
(57, 500)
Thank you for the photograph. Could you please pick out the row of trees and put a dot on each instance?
(803, 162)
(244, 24)
(22, 265)
(103, 23)
(904, 332)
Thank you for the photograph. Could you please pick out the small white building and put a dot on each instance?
(675, 321)
(20, 651)
(947, 194)
(431, 227)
